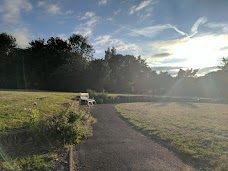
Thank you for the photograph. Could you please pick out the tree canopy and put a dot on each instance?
(68, 65)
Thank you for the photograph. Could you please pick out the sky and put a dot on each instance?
(169, 34)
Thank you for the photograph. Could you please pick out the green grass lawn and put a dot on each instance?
(197, 129)
(15, 106)
(21, 149)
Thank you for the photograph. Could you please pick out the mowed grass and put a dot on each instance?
(16, 106)
(197, 129)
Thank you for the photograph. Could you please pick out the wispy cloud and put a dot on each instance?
(207, 70)
(223, 27)
(50, 8)
(53, 9)
(152, 31)
(11, 10)
(69, 12)
(88, 15)
(224, 48)
(103, 2)
(110, 19)
(194, 29)
(62, 36)
(86, 29)
(139, 7)
(104, 41)
(161, 55)
(117, 12)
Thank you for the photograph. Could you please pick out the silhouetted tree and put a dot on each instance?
(79, 45)
(224, 64)
(7, 50)
(67, 65)
(187, 73)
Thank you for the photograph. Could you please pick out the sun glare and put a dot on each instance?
(200, 52)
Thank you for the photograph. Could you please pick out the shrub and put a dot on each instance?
(71, 125)
(99, 97)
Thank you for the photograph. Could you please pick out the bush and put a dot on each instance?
(99, 97)
(71, 125)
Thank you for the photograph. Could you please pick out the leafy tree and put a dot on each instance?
(98, 74)
(224, 64)
(79, 45)
(187, 73)
(7, 48)
(110, 52)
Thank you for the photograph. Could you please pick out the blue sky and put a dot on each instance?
(169, 34)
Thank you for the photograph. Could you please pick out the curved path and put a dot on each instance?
(117, 146)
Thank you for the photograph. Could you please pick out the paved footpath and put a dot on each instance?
(117, 146)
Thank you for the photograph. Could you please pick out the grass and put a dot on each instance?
(23, 149)
(196, 129)
(15, 107)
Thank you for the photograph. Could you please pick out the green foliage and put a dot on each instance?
(68, 65)
(99, 97)
(34, 116)
(224, 64)
(187, 73)
(71, 125)
(35, 125)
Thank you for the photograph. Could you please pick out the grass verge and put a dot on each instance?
(35, 128)
(196, 129)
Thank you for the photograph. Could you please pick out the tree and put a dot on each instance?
(187, 73)
(110, 52)
(7, 43)
(224, 64)
(79, 45)
(7, 48)
(98, 74)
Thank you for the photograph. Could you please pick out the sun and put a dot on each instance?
(200, 52)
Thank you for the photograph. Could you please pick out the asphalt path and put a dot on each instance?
(117, 146)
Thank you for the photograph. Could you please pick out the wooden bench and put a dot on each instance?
(85, 100)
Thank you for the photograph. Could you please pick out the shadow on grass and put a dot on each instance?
(185, 104)
(196, 164)
(19, 144)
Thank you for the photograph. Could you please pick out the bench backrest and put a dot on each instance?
(84, 95)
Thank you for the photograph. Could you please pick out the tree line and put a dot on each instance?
(68, 65)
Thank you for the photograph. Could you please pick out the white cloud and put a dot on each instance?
(110, 19)
(69, 12)
(86, 29)
(103, 2)
(88, 15)
(22, 36)
(40, 3)
(117, 12)
(152, 31)
(206, 70)
(50, 8)
(139, 7)
(218, 26)
(198, 52)
(53, 9)
(194, 29)
(12, 9)
(62, 36)
(101, 40)
(105, 41)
